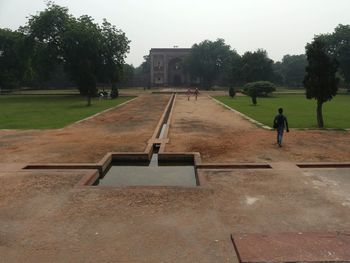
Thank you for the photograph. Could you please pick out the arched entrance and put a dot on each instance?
(176, 76)
(177, 80)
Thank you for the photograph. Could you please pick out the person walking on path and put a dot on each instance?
(188, 93)
(196, 92)
(280, 122)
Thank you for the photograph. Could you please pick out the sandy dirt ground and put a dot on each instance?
(44, 217)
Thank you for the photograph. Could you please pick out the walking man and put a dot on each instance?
(196, 92)
(188, 93)
(280, 122)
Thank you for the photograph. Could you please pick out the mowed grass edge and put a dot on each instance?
(49, 112)
(301, 112)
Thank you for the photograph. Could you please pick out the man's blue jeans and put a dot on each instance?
(279, 135)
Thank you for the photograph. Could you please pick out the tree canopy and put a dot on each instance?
(291, 70)
(258, 89)
(46, 34)
(115, 46)
(14, 59)
(208, 60)
(54, 39)
(337, 45)
(256, 66)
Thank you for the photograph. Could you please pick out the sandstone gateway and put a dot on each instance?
(167, 67)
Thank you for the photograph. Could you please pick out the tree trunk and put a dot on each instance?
(254, 100)
(319, 114)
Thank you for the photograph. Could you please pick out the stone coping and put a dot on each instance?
(292, 247)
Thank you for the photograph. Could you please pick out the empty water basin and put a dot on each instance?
(154, 173)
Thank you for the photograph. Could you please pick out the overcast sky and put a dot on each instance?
(279, 26)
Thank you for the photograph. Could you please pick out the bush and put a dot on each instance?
(258, 89)
(232, 92)
(114, 93)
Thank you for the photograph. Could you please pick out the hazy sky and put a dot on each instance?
(279, 26)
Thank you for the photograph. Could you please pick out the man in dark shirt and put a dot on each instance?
(279, 123)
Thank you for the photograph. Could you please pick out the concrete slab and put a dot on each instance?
(286, 166)
(335, 181)
(292, 247)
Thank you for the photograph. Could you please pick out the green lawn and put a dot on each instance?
(301, 113)
(48, 112)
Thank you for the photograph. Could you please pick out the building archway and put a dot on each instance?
(177, 80)
(176, 76)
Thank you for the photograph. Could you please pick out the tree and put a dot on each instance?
(46, 31)
(128, 74)
(114, 93)
(142, 73)
(93, 53)
(338, 46)
(291, 70)
(232, 71)
(87, 51)
(15, 63)
(82, 47)
(278, 73)
(258, 89)
(256, 66)
(146, 65)
(320, 80)
(207, 60)
(114, 47)
(231, 92)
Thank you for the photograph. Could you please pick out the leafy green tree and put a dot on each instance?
(256, 66)
(258, 89)
(87, 51)
(320, 80)
(207, 60)
(291, 70)
(15, 63)
(114, 47)
(338, 46)
(232, 71)
(146, 65)
(46, 31)
(128, 74)
(278, 73)
(142, 73)
(93, 53)
(82, 47)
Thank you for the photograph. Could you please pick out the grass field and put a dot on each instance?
(48, 112)
(301, 113)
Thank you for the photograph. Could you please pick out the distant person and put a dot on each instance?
(196, 92)
(101, 96)
(188, 93)
(280, 122)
